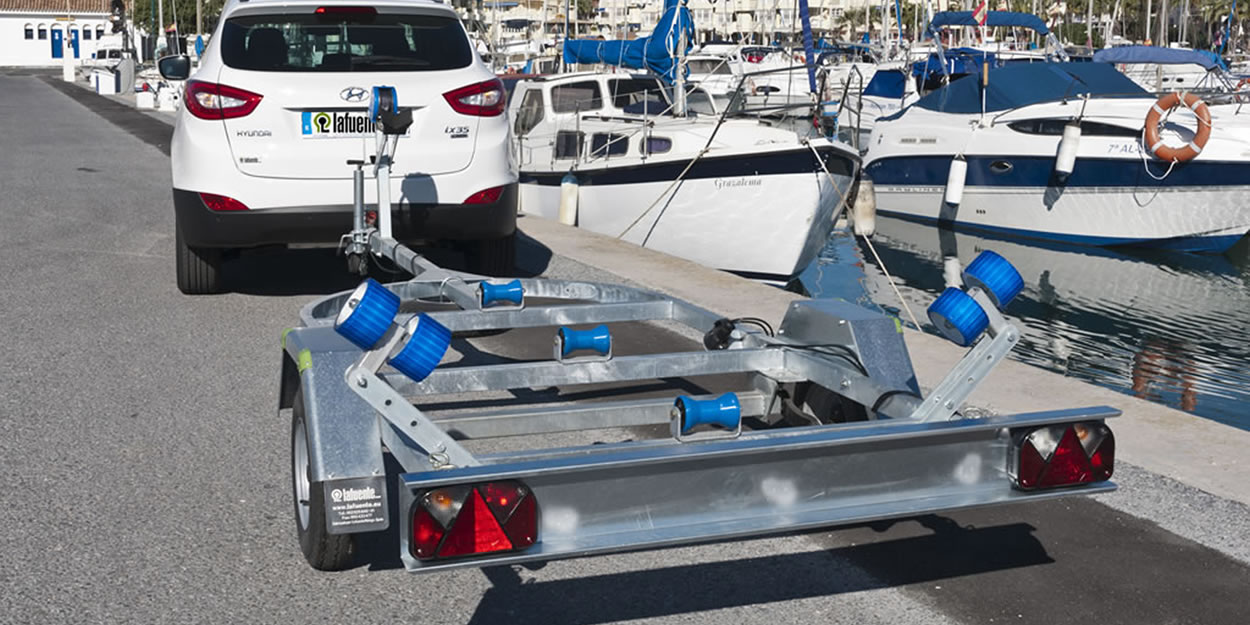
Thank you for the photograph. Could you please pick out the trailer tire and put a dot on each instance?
(323, 551)
(493, 257)
(198, 268)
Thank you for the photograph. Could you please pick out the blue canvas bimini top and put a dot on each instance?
(1022, 84)
(993, 18)
(1165, 56)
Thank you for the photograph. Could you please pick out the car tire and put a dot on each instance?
(493, 257)
(199, 269)
(323, 551)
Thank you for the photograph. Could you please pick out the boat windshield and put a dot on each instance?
(1020, 84)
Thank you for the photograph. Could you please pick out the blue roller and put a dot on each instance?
(424, 349)
(597, 339)
(724, 411)
(507, 292)
(994, 275)
(367, 315)
(958, 317)
(376, 102)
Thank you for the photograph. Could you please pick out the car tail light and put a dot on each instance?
(1063, 455)
(485, 196)
(485, 518)
(222, 203)
(207, 100)
(483, 99)
(346, 10)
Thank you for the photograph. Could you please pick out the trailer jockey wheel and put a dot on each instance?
(323, 550)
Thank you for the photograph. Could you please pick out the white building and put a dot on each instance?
(43, 32)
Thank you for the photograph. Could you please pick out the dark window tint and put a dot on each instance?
(626, 91)
(86, 34)
(530, 112)
(43, 33)
(344, 43)
(569, 143)
(30, 33)
(576, 97)
(657, 145)
(99, 32)
(606, 144)
(1055, 127)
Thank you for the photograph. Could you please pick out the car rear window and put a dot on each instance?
(344, 43)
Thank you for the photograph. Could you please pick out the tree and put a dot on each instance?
(144, 13)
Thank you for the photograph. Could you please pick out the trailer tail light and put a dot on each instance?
(1063, 455)
(483, 99)
(220, 203)
(207, 100)
(457, 521)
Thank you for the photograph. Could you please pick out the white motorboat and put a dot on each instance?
(734, 194)
(1169, 69)
(1055, 151)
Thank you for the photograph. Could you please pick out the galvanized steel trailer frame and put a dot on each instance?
(911, 456)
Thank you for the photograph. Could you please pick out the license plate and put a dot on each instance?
(334, 124)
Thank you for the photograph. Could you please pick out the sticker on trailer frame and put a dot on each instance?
(356, 505)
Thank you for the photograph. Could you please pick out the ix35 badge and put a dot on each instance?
(354, 94)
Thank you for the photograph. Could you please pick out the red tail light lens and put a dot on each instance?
(484, 518)
(485, 196)
(222, 203)
(484, 99)
(349, 10)
(207, 100)
(1064, 455)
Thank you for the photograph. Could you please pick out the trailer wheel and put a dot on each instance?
(198, 268)
(323, 550)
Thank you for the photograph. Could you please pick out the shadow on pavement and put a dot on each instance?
(950, 551)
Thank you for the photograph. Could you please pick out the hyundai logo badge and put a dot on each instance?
(354, 94)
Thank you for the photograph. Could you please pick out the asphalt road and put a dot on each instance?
(147, 470)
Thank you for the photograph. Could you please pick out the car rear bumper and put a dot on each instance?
(202, 227)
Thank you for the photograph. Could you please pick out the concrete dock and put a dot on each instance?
(148, 472)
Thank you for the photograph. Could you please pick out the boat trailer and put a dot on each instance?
(824, 422)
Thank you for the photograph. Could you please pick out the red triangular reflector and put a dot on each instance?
(1031, 465)
(1103, 460)
(475, 530)
(1069, 464)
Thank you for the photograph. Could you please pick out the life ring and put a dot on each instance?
(1241, 83)
(1163, 106)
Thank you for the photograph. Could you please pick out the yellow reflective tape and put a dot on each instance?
(284, 333)
(898, 324)
(304, 361)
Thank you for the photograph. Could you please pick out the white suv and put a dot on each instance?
(279, 105)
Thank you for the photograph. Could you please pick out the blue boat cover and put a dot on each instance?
(994, 18)
(1021, 84)
(1167, 56)
(656, 52)
(887, 83)
(957, 61)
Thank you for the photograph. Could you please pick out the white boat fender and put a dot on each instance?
(955, 180)
(1065, 160)
(864, 211)
(568, 200)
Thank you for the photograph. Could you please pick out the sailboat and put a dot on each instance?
(646, 158)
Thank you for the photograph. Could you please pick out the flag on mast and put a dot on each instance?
(982, 11)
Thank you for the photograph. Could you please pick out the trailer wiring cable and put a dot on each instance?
(844, 352)
(756, 321)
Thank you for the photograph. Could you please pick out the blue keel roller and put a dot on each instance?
(724, 411)
(958, 317)
(367, 315)
(383, 96)
(506, 292)
(995, 276)
(424, 349)
(597, 339)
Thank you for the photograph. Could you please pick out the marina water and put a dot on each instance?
(1170, 328)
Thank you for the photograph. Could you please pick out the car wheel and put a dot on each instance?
(199, 269)
(323, 550)
(493, 257)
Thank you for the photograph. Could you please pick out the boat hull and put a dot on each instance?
(1199, 207)
(764, 214)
